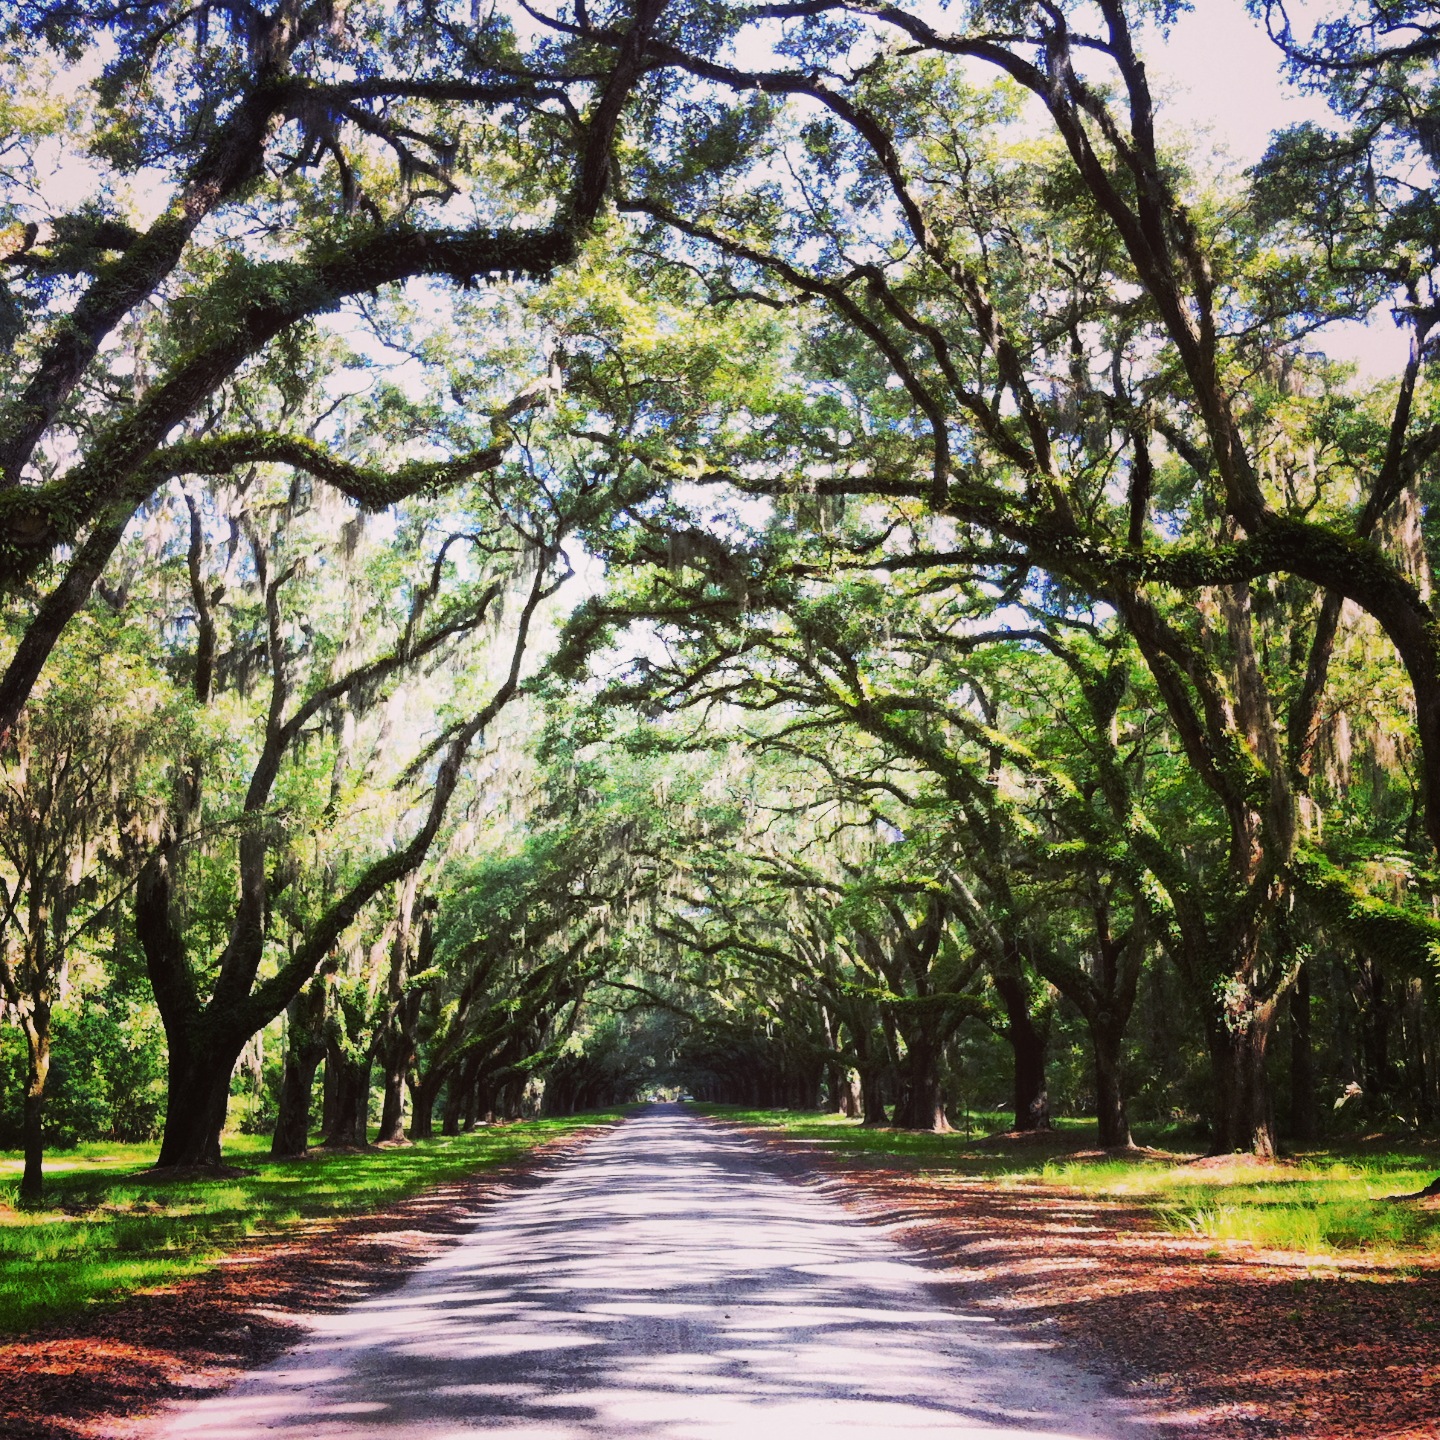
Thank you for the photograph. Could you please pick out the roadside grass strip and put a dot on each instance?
(1324, 1201)
(109, 1226)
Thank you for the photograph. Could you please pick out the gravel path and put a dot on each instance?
(663, 1282)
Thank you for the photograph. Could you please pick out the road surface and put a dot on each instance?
(663, 1282)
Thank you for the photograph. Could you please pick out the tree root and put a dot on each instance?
(1432, 1189)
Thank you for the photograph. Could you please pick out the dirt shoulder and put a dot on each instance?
(88, 1377)
(1238, 1342)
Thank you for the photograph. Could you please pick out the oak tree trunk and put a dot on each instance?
(920, 1101)
(872, 1097)
(457, 1091)
(395, 1054)
(921, 1105)
(392, 1110)
(349, 1126)
(1302, 1063)
(197, 1097)
(304, 1049)
(292, 1123)
(423, 1094)
(1244, 1114)
(453, 1109)
(1027, 1041)
(37, 1071)
(1109, 1092)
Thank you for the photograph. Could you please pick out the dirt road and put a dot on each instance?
(665, 1283)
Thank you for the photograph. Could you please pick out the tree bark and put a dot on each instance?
(1302, 1062)
(1375, 1037)
(37, 1072)
(1244, 1118)
(921, 1105)
(197, 1097)
(1110, 1111)
(509, 1103)
(423, 1094)
(920, 1101)
(453, 1108)
(457, 1091)
(1027, 1041)
(291, 1137)
(202, 1056)
(350, 1123)
(392, 1110)
(304, 1049)
(329, 1094)
(396, 1047)
(872, 1097)
(396, 1053)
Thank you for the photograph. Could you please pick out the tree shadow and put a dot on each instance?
(664, 1289)
(1332, 1348)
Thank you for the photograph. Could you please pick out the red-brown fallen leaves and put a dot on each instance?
(1247, 1343)
(79, 1379)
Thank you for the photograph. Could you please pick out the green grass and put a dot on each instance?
(949, 1152)
(107, 1228)
(1322, 1202)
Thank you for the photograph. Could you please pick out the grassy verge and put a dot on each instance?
(108, 1228)
(1322, 1202)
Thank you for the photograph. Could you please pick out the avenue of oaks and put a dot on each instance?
(795, 551)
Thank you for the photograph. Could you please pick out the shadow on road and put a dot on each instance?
(663, 1283)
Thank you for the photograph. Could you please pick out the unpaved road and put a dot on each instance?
(663, 1283)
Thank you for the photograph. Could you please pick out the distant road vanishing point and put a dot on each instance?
(663, 1282)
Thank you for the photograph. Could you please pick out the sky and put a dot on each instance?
(1220, 74)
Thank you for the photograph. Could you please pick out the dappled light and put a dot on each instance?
(1234, 1338)
(106, 1232)
(662, 1285)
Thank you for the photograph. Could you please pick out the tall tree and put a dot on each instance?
(84, 766)
(234, 116)
(212, 1005)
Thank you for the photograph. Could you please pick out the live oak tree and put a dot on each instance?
(301, 872)
(858, 969)
(521, 934)
(910, 237)
(1024, 333)
(253, 128)
(846, 942)
(952, 435)
(852, 681)
(778, 625)
(85, 765)
(716, 946)
(301, 162)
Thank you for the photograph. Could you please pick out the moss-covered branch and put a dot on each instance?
(1404, 940)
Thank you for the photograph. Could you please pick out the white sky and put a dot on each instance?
(1220, 75)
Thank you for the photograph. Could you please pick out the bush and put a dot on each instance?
(107, 1074)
